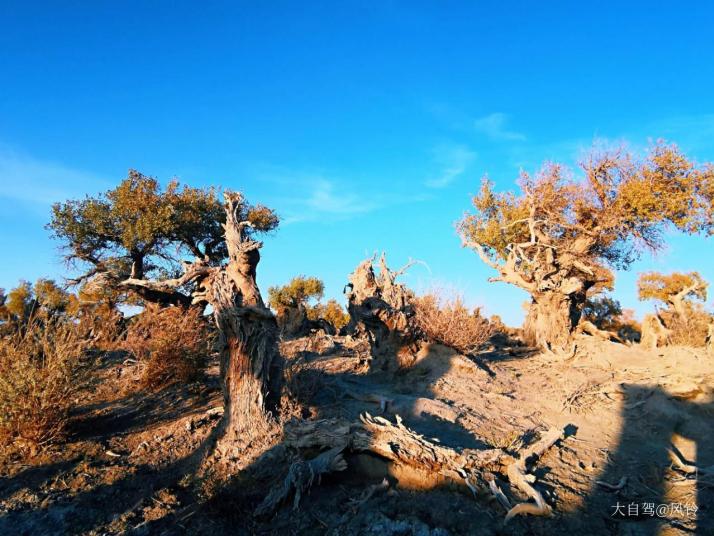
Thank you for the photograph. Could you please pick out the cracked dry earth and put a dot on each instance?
(637, 459)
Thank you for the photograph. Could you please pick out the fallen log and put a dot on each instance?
(410, 450)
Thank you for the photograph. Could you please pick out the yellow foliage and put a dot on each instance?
(331, 311)
(665, 287)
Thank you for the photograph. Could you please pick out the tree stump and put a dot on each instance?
(381, 310)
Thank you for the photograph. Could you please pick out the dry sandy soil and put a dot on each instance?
(128, 467)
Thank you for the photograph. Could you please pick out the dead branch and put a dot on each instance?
(613, 487)
(591, 329)
(499, 495)
(400, 445)
(522, 480)
(407, 405)
(301, 476)
(367, 494)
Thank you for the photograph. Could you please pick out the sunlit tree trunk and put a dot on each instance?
(251, 365)
(552, 319)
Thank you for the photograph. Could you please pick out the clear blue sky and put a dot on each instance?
(367, 127)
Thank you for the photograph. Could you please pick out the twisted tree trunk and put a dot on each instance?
(552, 319)
(381, 309)
(251, 365)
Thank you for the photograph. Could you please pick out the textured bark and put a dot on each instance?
(380, 309)
(411, 454)
(552, 319)
(557, 278)
(251, 365)
(293, 321)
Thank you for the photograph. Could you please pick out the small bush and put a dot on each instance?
(171, 344)
(689, 330)
(331, 311)
(448, 321)
(40, 375)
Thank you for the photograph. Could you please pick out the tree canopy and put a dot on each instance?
(139, 231)
(297, 292)
(45, 298)
(563, 234)
(602, 311)
(673, 290)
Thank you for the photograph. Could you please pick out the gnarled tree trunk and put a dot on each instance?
(381, 309)
(293, 321)
(251, 365)
(552, 319)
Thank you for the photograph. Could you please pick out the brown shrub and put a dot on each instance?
(690, 329)
(41, 372)
(448, 321)
(171, 344)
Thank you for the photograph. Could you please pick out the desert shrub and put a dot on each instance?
(171, 345)
(331, 311)
(448, 321)
(689, 329)
(103, 325)
(41, 372)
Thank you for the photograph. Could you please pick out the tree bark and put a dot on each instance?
(552, 319)
(251, 365)
(381, 309)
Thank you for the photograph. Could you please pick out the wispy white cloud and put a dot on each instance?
(453, 160)
(494, 126)
(326, 196)
(31, 180)
(316, 195)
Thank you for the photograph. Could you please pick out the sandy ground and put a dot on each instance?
(128, 466)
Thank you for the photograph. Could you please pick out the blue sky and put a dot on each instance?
(367, 126)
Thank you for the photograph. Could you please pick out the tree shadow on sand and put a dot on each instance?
(93, 488)
(650, 498)
(336, 505)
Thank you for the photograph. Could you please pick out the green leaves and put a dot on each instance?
(298, 291)
(148, 229)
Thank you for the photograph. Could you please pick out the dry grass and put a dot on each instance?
(690, 330)
(102, 325)
(171, 344)
(41, 373)
(445, 319)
